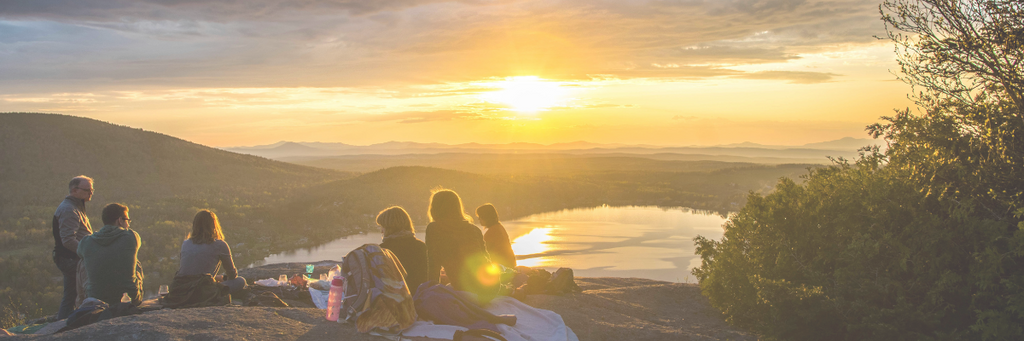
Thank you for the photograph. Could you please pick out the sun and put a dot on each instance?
(526, 94)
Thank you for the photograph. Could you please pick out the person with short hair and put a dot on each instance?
(70, 225)
(496, 238)
(455, 244)
(204, 251)
(399, 236)
(111, 257)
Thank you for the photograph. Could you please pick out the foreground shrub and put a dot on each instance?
(855, 253)
(921, 242)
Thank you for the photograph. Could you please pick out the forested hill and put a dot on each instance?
(41, 152)
(410, 187)
(353, 202)
(163, 180)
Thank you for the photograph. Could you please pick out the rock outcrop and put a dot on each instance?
(607, 309)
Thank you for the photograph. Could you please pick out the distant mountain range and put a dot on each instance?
(845, 147)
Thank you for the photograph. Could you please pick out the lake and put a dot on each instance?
(631, 241)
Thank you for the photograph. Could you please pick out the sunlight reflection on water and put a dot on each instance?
(534, 242)
(633, 241)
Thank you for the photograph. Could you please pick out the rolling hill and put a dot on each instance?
(742, 152)
(41, 152)
(539, 164)
(163, 180)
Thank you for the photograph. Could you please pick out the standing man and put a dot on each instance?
(111, 258)
(70, 225)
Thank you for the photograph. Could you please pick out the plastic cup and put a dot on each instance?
(282, 280)
(163, 290)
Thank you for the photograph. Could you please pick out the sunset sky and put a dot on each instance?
(674, 73)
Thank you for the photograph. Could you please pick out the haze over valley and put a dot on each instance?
(269, 206)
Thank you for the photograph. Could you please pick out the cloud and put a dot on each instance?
(116, 10)
(685, 118)
(420, 116)
(288, 43)
(732, 54)
(797, 77)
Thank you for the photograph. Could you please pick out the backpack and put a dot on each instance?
(562, 281)
(537, 282)
(376, 295)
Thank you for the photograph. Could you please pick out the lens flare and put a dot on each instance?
(493, 269)
(488, 275)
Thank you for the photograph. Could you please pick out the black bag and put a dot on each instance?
(83, 316)
(196, 291)
(562, 281)
(265, 299)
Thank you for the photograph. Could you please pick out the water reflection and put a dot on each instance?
(533, 243)
(636, 241)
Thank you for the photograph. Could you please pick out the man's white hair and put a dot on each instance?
(77, 180)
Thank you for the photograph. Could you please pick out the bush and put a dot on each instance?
(855, 253)
(11, 314)
(922, 242)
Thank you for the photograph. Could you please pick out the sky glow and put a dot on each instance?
(527, 94)
(362, 72)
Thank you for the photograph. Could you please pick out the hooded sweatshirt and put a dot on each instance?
(112, 264)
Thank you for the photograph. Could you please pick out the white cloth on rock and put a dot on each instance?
(532, 324)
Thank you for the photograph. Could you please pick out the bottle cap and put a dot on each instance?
(338, 281)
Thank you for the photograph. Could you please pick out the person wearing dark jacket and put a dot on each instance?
(496, 238)
(400, 238)
(70, 225)
(455, 244)
(111, 257)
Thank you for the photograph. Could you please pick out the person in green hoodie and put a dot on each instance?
(111, 257)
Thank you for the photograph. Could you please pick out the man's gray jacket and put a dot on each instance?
(70, 225)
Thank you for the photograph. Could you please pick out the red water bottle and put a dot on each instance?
(335, 297)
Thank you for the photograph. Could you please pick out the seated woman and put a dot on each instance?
(205, 251)
(455, 244)
(400, 238)
(496, 238)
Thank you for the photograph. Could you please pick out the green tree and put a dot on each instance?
(967, 58)
(960, 49)
(923, 241)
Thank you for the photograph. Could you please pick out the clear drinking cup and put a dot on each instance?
(163, 290)
(282, 280)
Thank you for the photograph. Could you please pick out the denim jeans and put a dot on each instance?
(68, 267)
(236, 285)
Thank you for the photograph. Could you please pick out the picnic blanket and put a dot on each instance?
(532, 324)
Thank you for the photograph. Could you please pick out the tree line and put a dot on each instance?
(268, 218)
(923, 241)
